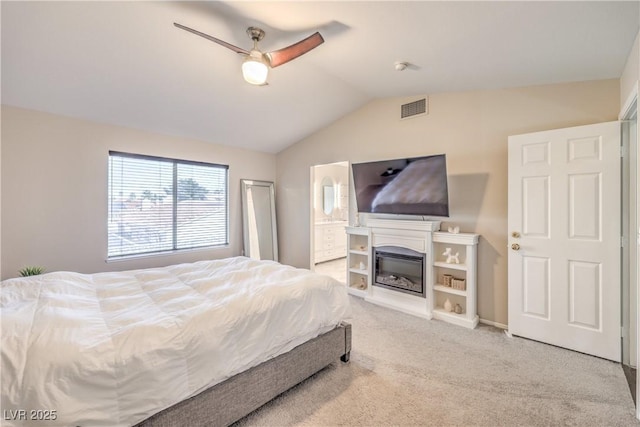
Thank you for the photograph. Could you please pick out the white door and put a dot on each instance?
(564, 238)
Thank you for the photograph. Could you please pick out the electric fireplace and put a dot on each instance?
(399, 269)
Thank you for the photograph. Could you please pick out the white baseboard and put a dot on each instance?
(492, 323)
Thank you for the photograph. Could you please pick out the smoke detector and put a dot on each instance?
(401, 66)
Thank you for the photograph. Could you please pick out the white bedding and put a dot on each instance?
(114, 348)
(420, 182)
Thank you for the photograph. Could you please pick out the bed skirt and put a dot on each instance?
(232, 399)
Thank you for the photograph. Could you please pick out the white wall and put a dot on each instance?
(472, 129)
(54, 190)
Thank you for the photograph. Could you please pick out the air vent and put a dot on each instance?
(413, 109)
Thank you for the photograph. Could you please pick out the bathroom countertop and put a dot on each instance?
(334, 222)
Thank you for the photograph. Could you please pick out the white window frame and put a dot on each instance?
(175, 246)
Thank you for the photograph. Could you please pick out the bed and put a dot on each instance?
(191, 344)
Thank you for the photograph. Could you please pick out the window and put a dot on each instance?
(159, 205)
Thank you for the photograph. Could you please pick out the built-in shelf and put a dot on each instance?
(461, 267)
(357, 292)
(465, 246)
(457, 319)
(358, 247)
(358, 252)
(423, 237)
(448, 290)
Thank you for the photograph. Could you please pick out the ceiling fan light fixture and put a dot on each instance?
(255, 69)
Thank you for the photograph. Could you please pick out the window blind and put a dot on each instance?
(158, 205)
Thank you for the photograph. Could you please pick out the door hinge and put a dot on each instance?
(623, 242)
(623, 151)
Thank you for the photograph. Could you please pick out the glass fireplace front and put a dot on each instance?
(399, 269)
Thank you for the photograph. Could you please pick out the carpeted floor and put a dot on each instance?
(409, 371)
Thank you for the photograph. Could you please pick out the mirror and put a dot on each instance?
(259, 220)
(328, 195)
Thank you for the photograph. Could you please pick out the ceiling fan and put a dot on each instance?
(255, 67)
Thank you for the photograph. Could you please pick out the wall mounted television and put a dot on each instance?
(412, 186)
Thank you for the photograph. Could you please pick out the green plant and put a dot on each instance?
(31, 271)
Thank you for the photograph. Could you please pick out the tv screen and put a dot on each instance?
(413, 186)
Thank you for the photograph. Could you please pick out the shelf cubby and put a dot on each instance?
(358, 252)
(465, 246)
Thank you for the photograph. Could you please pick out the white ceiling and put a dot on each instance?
(125, 63)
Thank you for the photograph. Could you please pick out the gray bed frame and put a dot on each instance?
(232, 399)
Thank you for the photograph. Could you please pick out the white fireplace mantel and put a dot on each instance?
(415, 235)
(400, 224)
(423, 237)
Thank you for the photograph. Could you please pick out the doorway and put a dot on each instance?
(629, 250)
(329, 217)
(564, 262)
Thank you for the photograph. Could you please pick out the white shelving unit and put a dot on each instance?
(358, 255)
(360, 241)
(465, 245)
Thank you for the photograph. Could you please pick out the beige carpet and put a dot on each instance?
(409, 371)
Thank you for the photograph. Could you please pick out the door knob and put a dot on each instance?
(515, 247)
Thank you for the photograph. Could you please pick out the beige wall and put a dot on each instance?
(1, 200)
(630, 75)
(54, 190)
(472, 129)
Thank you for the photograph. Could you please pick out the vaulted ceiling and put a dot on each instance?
(125, 63)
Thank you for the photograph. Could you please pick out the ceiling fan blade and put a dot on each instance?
(236, 49)
(284, 55)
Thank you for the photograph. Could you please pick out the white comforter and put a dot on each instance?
(114, 348)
